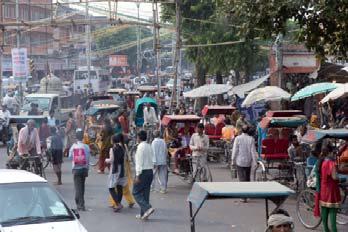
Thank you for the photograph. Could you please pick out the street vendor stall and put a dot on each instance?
(201, 192)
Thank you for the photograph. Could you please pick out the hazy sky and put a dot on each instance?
(129, 8)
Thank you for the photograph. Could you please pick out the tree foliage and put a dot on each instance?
(202, 23)
(323, 24)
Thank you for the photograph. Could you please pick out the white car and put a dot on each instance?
(29, 204)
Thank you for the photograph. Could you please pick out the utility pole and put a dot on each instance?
(1, 48)
(279, 58)
(138, 43)
(156, 45)
(88, 45)
(177, 52)
(18, 46)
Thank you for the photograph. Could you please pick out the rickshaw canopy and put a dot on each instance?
(216, 109)
(98, 109)
(150, 88)
(313, 136)
(131, 93)
(19, 119)
(116, 91)
(283, 113)
(290, 122)
(167, 119)
(98, 98)
(139, 114)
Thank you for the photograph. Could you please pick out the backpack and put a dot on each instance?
(79, 156)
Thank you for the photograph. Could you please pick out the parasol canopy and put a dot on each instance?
(208, 90)
(314, 89)
(341, 91)
(268, 93)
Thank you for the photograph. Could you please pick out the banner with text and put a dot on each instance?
(118, 60)
(19, 63)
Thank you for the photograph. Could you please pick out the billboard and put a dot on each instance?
(118, 60)
(19, 63)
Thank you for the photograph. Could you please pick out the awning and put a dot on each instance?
(242, 89)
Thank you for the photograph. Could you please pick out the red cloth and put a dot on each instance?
(329, 190)
(316, 211)
(124, 124)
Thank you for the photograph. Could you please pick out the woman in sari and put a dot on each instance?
(127, 194)
(328, 192)
(105, 144)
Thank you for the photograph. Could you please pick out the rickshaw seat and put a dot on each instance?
(218, 129)
(275, 156)
(268, 146)
(285, 133)
(281, 146)
(214, 137)
(209, 129)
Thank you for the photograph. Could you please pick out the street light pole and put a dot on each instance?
(138, 44)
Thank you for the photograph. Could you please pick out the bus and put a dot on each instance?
(99, 79)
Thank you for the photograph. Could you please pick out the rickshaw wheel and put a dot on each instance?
(305, 207)
(260, 172)
(342, 214)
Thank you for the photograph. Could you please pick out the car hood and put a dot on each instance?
(66, 226)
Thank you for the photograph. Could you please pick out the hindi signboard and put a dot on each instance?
(19, 63)
(118, 60)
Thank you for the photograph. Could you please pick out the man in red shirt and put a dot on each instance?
(124, 122)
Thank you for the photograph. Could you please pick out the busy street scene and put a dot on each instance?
(173, 115)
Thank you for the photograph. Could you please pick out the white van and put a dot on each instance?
(29, 204)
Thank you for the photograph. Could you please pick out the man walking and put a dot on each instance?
(144, 176)
(199, 144)
(160, 173)
(79, 153)
(244, 155)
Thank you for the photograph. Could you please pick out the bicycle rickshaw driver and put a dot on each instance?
(28, 143)
(150, 119)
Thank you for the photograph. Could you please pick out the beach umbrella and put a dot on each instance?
(208, 90)
(314, 89)
(268, 93)
(341, 91)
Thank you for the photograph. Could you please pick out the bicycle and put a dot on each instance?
(32, 164)
(202, 174)
(306, 203)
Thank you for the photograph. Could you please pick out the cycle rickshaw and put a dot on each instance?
(274, 162)
(306, 199)
(35, 164)
(218, 147)
(179, 157)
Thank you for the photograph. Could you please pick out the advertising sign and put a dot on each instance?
(19, 63)
(118, 60)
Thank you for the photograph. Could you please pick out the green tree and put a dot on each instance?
(203, 24)
(322, 24)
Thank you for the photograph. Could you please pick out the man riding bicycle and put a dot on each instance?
(28, 143)
(150, 120)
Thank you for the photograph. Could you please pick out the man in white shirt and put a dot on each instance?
(244, 154)
(199, 144)
(144, 176)
(150, 117)
(160, 174)
(5, 115)
(11, 102)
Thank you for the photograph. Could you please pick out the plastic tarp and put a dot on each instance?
(202, 191)
(208, 90)
(242, 89)
(313, 136)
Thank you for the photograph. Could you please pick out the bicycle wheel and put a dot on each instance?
(342, 214)
(260, 172)
(94, 158)
(45, 159)
(305, 207)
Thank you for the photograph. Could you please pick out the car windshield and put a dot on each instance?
(31, 203)
(43, 102)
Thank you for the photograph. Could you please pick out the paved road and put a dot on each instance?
(171, 209)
